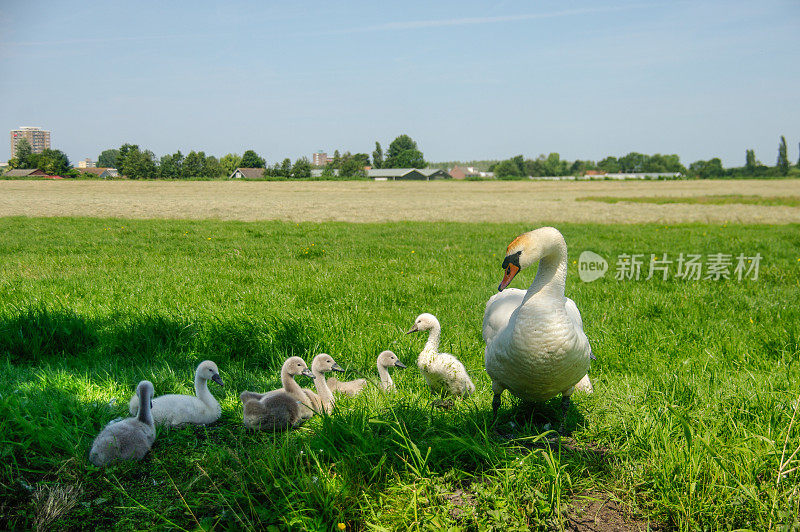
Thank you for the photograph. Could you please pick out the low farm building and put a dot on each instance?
(247, 173)
(394, 174)
(102, 173)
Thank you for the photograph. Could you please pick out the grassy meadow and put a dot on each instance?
(692, 424)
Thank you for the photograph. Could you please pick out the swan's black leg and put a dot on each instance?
(565, 402)
(495, 405)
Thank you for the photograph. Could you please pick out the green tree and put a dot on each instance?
(286, 168)
(213, 168)
(23, 157)
(507, 169)
(750, 161)
(352, 166)
(170, 166)
(250, 159)
(707, 169)
(783, 160)
(553, 165)
(122, 157)
(579, 167)
(301, 168)
(609, 164)
(403, 153)
(632, 163)
(377, 155)
(337, 160)
(328, 172)
(137, 164)
(108, 159)
(54, 162)
(230, 162)
(193, 165)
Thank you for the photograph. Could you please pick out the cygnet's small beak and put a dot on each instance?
(216, 378)
(412, 329)
(337, 367)
(400, 365)
(308, 373)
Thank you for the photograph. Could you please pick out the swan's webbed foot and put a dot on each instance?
(565, 402)
(444, 404)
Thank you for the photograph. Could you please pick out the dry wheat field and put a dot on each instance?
(517, 201)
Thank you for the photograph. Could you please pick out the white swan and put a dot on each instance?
(386, 360)
(443, 372)
(275, 410)
(535, 344)
(200, 409)
(129, 439)
(323, 398)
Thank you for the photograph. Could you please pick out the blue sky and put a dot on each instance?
(467, 80)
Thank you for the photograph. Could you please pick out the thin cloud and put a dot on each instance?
(467, 21)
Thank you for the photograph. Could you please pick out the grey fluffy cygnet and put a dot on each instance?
(279, 409)
(129, 439)
(386, 360)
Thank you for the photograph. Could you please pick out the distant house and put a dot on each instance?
(458, 172)
(463, 172)
(102, 173)
(393, 174)
(27, 172)
(247, 173)
(595, 173)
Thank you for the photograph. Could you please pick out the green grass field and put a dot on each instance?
(690, 426)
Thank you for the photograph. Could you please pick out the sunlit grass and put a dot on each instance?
(696, 382)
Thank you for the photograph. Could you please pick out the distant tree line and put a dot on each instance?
(519, 167)
(136, 163)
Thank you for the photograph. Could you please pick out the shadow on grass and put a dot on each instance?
(38, 335)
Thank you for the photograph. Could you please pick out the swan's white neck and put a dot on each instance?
(552, 273)
(431, 348)
(201, 389)
(386, 379)
(324, 393)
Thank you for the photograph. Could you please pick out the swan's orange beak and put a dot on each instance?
(511, 271)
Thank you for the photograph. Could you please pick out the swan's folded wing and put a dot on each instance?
(498, 311)
(573, 313)
(575, 316)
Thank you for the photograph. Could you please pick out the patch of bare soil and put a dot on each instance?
(532, 202)
(460, 499)
(602, 512)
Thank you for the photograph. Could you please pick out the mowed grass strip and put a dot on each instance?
(722, 199)
(689, 427)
